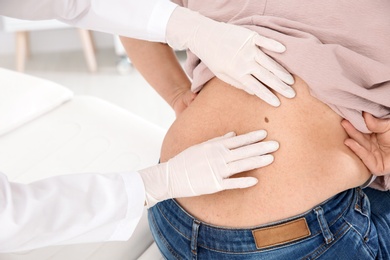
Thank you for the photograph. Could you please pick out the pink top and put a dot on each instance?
(341, 48)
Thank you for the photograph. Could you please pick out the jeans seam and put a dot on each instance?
(257, 250)
(359, 208)
(364, 243)
(338, 217)
(162, 238)
(321, 249)
(374, 255)
(227, 252)
(362, 238)
(173, 226)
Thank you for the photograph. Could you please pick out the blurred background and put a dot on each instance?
(87, 62)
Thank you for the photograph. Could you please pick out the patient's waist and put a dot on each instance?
(311, 165)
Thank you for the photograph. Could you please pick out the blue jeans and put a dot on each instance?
(343, 227)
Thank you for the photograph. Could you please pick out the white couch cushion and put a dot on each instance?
(24, 98)
(86, 134)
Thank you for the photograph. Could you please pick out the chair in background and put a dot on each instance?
(21, 28)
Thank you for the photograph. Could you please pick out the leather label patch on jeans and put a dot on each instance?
(281, 234)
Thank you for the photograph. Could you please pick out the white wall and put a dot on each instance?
(53, 41)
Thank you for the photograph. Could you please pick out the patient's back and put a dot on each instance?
(311, 165)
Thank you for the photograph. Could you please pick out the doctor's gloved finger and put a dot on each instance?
(252, 150)
(271, 65)
(252, 85)
(274, 82)
(249, 164)
(238, 183)
(244, 139)
(269, 44)
(221, 138)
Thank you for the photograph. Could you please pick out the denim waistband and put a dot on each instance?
(322, 222)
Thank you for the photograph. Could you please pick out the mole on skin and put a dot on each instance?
(266, 119)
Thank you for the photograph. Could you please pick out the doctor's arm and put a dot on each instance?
(233, 53)
(69, 209)
(85, 208)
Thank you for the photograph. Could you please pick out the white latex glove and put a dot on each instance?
(232, 53)
(205, 168)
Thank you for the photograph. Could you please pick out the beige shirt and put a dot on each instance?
(341, 48)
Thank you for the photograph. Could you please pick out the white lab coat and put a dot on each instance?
(83, 207)
(69, 209)
(141, 19)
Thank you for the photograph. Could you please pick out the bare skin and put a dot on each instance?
(312, 164)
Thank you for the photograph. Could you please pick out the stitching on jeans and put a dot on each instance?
(323, 248)
(361, 197)
(373, 254)
(320, 249)
(262, 250)
(337, 235)
(162, 238)
(362, 238)
(254, 251)
(343, 212)
(173, 226)
(360, 235)
(285, 224)
(159, 233)
(285, 245)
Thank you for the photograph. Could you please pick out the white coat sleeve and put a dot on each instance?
(145, 20)
(69, 209)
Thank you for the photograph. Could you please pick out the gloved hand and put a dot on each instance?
(205, 168)
(232, 53)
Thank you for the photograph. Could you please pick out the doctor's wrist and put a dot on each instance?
(182, 26)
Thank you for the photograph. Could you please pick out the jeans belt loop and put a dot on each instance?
(324, 225)
(194, 238)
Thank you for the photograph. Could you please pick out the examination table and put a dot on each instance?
(46, 131)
